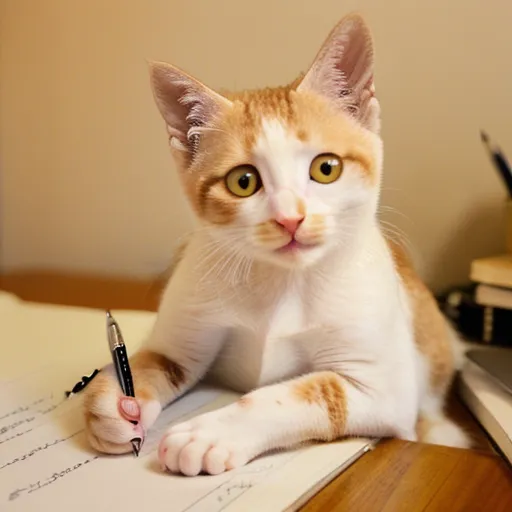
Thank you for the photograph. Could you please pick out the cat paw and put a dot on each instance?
(210, 443)
(112, 420)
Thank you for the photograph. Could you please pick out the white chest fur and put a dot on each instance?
(351, 317)
(268, 347)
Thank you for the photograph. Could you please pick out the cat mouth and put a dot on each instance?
(293, 247)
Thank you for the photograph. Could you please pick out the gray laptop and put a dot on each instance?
(497, 362)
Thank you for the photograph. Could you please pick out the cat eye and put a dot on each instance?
(326, 168)
(243, 181)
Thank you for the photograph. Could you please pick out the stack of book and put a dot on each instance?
(493, 293)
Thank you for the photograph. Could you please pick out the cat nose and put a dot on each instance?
(291, 224)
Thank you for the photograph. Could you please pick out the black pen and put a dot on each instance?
(122, 366)
(499, 161)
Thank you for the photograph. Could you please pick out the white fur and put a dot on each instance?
(356, 322)
(445, 432)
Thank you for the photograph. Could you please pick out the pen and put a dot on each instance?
(122, 366)
(499, 161)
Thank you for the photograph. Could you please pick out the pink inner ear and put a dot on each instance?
(356, 62)
(185, 104)
(343, 69)
(168, 89)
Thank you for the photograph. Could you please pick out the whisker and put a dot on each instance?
(391, 209)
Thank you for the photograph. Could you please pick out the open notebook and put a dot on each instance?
(45, 463)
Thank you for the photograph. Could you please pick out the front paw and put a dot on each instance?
(212, 443)
(112, 420)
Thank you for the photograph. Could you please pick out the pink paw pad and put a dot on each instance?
(129, 409)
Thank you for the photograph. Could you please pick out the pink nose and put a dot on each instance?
(291, 224)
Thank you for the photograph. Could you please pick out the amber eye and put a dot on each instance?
(326, 168)
(243, 181)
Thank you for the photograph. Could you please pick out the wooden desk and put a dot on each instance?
(397, 476)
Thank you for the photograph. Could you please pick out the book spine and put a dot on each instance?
(475, 322)
(488, 324)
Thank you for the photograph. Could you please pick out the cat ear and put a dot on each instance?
(343, 71)
(187, 106)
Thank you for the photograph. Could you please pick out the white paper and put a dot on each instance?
(46, 463)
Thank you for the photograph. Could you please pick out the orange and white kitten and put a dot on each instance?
(289, 291)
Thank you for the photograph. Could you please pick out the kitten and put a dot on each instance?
(289, 291)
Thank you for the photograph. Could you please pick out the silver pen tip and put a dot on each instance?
(136, 445)
(108, 314)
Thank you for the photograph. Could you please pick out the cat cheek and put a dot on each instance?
(315, 230)
(267, 235)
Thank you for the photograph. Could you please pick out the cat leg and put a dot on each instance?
(434, 427)
(161, 373)
(318, 406)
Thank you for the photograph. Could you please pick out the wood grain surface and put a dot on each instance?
(396, 476)
(400, 476)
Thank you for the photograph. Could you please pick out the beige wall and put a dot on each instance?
(86, 180)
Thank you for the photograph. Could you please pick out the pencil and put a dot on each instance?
(500, 162)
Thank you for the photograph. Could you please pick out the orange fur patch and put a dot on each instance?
(256, 105)
(431, 330)
(270, 231)
(302, 135)
(220, 211)
(325, 389)
(154, 373)
(214, 201)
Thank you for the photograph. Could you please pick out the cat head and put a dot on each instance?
(281, 174)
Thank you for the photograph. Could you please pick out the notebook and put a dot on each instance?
(489, 400)
(497, 362)
(46, 464)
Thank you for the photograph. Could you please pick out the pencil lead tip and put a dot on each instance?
(484, 136)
